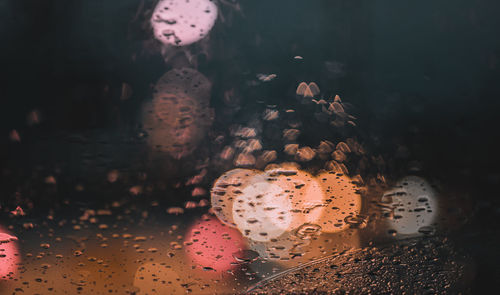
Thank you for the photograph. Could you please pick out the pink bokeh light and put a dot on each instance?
(9, 255)
(211, 244)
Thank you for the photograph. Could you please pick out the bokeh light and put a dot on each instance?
(181, 22)
(265, 205)
(342, 201)
(303, 192)
(9, 255)
(411, 206)
(178, 117)
(210, 244)
(226, 188)
(262, 211)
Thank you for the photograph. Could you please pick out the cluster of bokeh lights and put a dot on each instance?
(264, 205)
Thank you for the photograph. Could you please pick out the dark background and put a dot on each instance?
(427, 67)
(422, 74)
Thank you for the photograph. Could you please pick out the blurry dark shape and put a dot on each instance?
(291, 134)
(126, 92)
(33, 118)
(113, 175)
(232, 98)
(178, 117)
(14, 136)
(430, 266)
(50, 179)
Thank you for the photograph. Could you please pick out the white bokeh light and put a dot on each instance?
(226, 188)
(262, 211)
(183, 22)
(412, 205)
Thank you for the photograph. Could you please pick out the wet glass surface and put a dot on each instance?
(249, 147)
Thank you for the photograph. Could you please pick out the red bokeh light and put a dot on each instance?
(211, 244)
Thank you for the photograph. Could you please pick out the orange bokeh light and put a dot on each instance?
(342, 201)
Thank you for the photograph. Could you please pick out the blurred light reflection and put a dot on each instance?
(411, 206)
(342, 201)
(283, 205)
(261, 212)
(9, 255)
(303, 191)
(210, 244)
(227, 187)
(178, 117)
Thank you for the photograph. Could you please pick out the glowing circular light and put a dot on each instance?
(211, 244)
(262, 211)
(226, 188)
(412, 205)
(9, 255)
(179, 116)
(181, 22)
(303, 191)
(342, 202)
